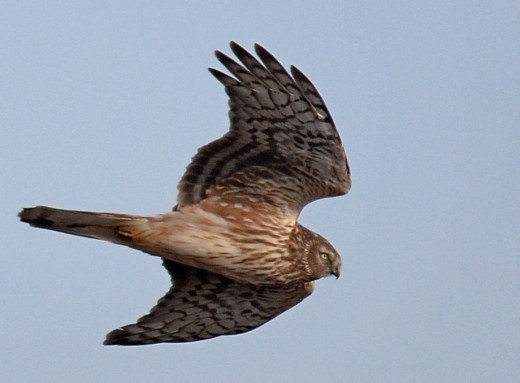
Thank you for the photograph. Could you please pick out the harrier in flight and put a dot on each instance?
(233, 247)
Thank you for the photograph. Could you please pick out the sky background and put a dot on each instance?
(104, 103)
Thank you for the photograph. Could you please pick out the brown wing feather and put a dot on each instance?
(277, 122)
(202, 305)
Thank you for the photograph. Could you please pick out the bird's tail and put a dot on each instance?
(106, 226)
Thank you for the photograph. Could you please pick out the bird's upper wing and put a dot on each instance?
(281, 134)
(202, 305)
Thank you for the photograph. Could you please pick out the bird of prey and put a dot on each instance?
(233, 247)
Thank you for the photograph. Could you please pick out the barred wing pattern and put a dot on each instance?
(202, 305)
(280, 130)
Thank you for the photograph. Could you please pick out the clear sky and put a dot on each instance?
(104, 103)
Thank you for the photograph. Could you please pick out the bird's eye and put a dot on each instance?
(324, 256)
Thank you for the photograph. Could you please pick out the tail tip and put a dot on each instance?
(33, 216)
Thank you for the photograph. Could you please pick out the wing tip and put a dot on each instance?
(115, 337)
(234, 46)
(121, 337)
(298, 75)
(224, 78)
(262, 52)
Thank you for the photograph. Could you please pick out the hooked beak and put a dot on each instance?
(336, 271)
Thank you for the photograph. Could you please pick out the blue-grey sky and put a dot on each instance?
(104, 103)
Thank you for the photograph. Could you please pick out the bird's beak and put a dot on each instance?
(336, 271)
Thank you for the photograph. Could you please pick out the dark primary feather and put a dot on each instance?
(277, 121)
(202, 305)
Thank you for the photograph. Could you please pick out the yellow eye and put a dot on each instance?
(324, 256)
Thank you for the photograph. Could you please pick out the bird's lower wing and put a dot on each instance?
(202, 305)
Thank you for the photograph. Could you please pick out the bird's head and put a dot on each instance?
(323, 260)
